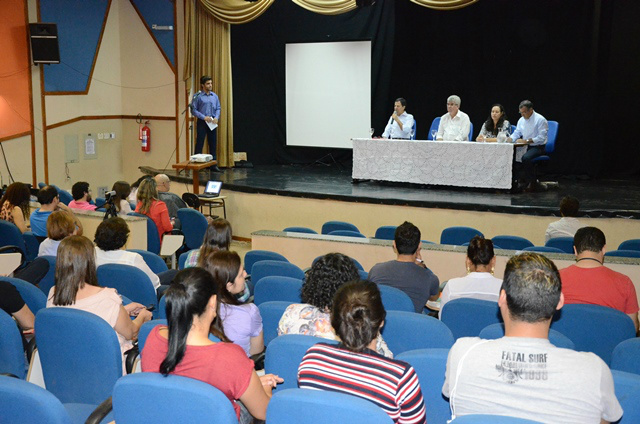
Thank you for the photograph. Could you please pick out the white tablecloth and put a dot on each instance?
(463, 164)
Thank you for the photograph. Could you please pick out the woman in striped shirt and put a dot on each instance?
(353, 367)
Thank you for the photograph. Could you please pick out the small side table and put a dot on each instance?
(212, 203)
(195, 167)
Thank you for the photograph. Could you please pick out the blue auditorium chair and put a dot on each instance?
(153, 239)
(193, 225)
(329, 226)
(627, 387)
(549, 147)
(12, 359)
(434, 126)
(276, 287)
(271, 312)
(624, 253)
(543, 249)
(48, 280)
(253, 256)
(633, 244)
(24, 402)
(404, 331)
(386, 232)
(347, 233)
(153, 261)
(466, 317)
(458, 235)
(304, 230)
(511, 242)
(32, 296)
(395, 299)
(626, 356)
(129, 281)
(563, 243)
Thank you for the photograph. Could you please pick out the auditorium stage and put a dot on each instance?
(599, 198)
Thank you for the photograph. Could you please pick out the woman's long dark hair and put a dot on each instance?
(488, 124)
(224, 266)
(123, 190)
(18, 194)
(75, 267)
(217, 237)
(187, 297)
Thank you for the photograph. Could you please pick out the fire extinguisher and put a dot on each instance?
(145, 133)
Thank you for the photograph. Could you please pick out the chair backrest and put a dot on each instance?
(627, 387)
(594, 328)
(434, 126)
(277, 287)
(347, 233)
(414, 129)
(543, 249)
(271, 312)
(624, 253)
(100, 201)
(458, 235)
(65, 196)
(563, 243)
(386, 232)
(191, 200)
(466, 317)
(129, 281)
(80, 355)
(430, 365)
(425, 332)
(162, 305)
(48, 280)
(253, 256)
(24, 402)
(301, 406)
(471, 131)
(153, 239)
(284, 355)
(153, 398)
(32, 244)
(194, 226)
(182, 260)
(511, 242)
(300, 230)
(11, 349)
(633, 244)
(10, 235)
(262, 269)
(329, 226)
(496, 331)
(625, 356)
(395, 299)
(153, 261)
(32, 296)
(552, 135)
(491, 419)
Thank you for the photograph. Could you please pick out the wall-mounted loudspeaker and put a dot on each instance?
(44, 43)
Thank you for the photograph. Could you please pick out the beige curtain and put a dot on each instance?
(444, 4)
(235, 11)
(327, 7)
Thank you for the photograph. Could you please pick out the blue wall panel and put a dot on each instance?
(159, 12)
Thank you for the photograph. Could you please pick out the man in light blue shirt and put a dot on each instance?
(532, 129)
(206, 107)
(401, 123)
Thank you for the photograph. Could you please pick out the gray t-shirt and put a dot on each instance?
(174, 202)
(417, 282)
(529, 378)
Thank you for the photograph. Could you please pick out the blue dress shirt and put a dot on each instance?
(535, 128)
(206, 104)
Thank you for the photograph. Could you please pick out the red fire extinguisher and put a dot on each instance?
(146, 137)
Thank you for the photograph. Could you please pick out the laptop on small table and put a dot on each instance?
(212, 189)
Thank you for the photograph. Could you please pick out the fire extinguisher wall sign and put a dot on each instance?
(146, 137)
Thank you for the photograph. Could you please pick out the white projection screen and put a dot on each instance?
(328, 93)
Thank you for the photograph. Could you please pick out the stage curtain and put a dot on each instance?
(208, 52)
(235, 11)
(327, 7)
(444, 4)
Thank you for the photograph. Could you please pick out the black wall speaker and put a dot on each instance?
(44, 43)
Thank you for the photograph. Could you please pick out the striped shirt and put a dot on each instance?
(391, 384)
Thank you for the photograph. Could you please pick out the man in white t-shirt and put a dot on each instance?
(455, 124)
(522, 374)
(568, 224)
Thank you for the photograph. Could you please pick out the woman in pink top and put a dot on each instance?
(148, 204)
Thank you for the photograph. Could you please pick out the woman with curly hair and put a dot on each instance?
(14, 205)
(313, 317)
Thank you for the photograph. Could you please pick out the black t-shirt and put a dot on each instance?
(10, 299)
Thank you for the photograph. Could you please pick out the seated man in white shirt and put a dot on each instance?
(568, 224)
(532, 129)
(401, 123)
(455, 124)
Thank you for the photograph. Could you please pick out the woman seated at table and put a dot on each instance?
(479, 283)
(312, 318)
(183, 348)
(148, 204)
(353, 367)
(496, 122)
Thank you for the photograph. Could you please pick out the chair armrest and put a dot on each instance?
(100, 412)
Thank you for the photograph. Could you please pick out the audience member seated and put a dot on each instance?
(60, 224)
(173, 201)
(479, 282)
(354, 367)
(242, 322)
(49, 201)
(77, 287)
(110, 239)
(11, 302)
(496, 122)
(522, 374)
(401, 123)
(568, 224)
(120, 199)
(408, 272)
(14, 205)
(133, 196)
(590, 282)
(148, 204)
(455, 124)
(313, 317)
(192, 305)
(81, 197)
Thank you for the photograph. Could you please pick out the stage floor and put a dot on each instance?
(599, 198)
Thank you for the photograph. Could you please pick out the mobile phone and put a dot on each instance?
(151, 308)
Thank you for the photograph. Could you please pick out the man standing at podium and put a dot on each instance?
(206, 107)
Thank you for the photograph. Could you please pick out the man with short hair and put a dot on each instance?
(568, 224)
(400, 124)
(49, 201)
(590, 282)
(532, 129)
(522, 374)
(408, 271)
(206, 107)
(81, 197)
(455, 124)
(173, 201)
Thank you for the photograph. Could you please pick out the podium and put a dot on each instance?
(195, 167)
